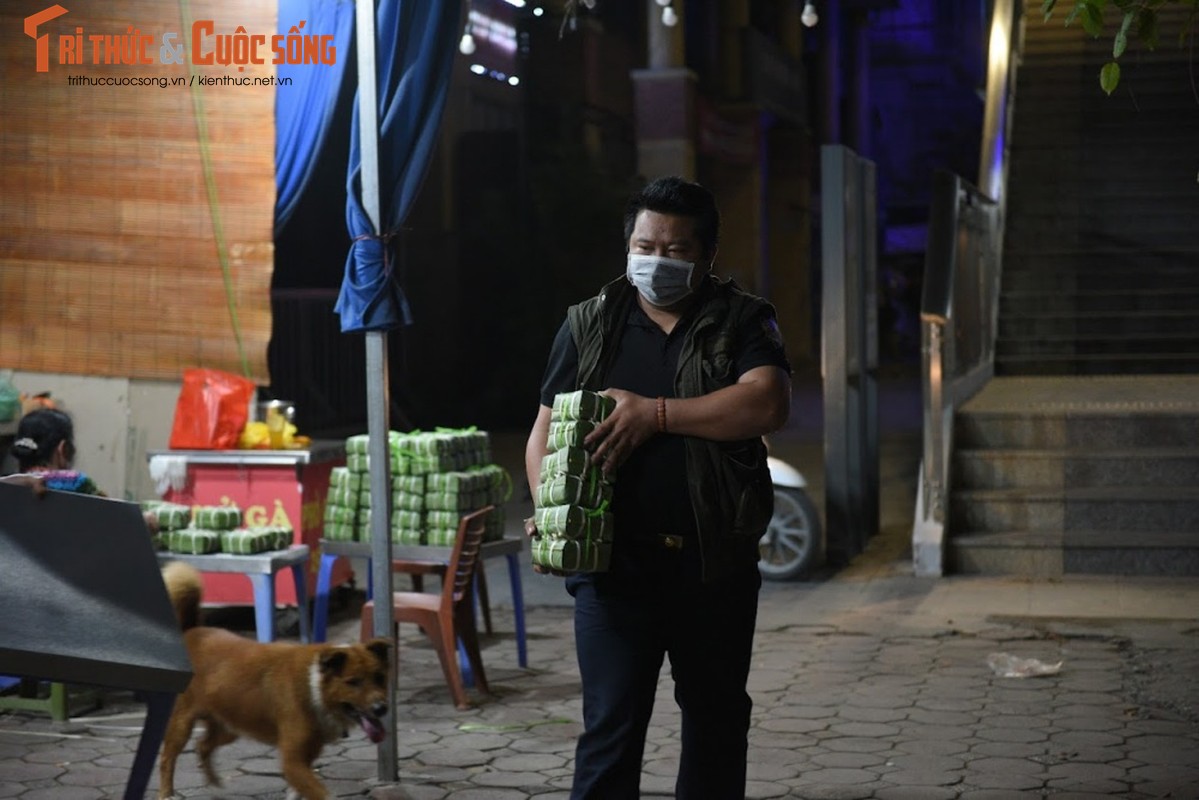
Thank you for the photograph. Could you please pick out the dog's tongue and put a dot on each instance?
(372, 727)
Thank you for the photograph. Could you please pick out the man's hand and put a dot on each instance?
(634, 420)
(531, 532)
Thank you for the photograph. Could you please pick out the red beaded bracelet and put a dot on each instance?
(661, 415)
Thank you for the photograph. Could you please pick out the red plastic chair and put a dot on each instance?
(448, 616)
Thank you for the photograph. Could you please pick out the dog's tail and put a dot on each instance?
(186, 589)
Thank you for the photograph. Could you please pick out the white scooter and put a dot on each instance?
(794, 542)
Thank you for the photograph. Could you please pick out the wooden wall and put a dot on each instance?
(109, 250)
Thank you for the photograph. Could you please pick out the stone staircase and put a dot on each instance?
(1101, 247)
(1082, 455)
(1084, 475)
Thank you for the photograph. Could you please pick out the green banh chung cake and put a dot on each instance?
(571, 501)
(213, 529)
(437, 477)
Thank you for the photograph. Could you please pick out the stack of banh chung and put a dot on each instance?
(341, 504)
(213, 529)
(169, 517)
(436, 478)
(571, 502)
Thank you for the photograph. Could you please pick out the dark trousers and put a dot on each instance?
(626, 620)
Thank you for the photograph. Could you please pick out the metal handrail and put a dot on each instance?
(959, 310)
(958, 326)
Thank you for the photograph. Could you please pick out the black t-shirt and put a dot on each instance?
(650, 495)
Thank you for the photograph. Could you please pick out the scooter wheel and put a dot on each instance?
(793, 542)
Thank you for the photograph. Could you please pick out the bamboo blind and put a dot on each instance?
(109, 259)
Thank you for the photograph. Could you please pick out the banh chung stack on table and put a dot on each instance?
(436, 477)
(273, 488)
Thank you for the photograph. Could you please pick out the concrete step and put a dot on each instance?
(1071, 101)
(1170, 191)
(1112, 343)
(1060, 278)
(1075, 467)
(1171, 206)
(1101, 255)
(1049, 554)
(1094, 366)
(1154, 299)
(1098, 323)
(1092, 170)
(1128, 508)
(1042, 230)
(1071, 430)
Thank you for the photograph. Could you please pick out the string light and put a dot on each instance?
(669, 18)
(809, 17)
(466, 45)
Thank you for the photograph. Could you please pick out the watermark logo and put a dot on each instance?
(43, 41)
(208, 47)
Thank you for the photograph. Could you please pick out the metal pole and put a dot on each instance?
(850, 350)
(377, 403)
(854, 369)
(834, 351)
(868, 303)
(992, 169)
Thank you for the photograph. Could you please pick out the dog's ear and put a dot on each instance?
(333, 660)
(381, 648)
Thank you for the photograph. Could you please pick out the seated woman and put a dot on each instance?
(44, 448)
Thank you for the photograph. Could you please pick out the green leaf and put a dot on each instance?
(1109, 77)
(1121, 41)
(1092, 19)
(1074, 12)
(1047, 8)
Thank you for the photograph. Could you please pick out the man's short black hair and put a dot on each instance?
(674, 195)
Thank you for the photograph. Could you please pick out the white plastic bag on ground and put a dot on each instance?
(1006, 665)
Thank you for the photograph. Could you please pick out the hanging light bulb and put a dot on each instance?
(663, 2)
(590, 4)
(466, 45)
(809, 17)
(669, 18)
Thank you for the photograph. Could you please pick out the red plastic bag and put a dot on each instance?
(211, 411)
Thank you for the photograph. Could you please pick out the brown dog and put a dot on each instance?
(297, 697)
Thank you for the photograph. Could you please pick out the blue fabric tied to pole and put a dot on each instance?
(306, 102)
(416, 43)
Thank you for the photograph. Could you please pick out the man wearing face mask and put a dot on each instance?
(699, 375)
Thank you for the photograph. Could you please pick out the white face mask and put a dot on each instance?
(662, 281)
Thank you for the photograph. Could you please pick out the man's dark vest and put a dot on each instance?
(731, 492)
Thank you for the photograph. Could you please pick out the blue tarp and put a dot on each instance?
(306, 100)
(416, 42)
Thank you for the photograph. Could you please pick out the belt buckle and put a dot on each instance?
(671, 542)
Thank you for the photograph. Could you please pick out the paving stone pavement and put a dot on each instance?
(866, 684)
